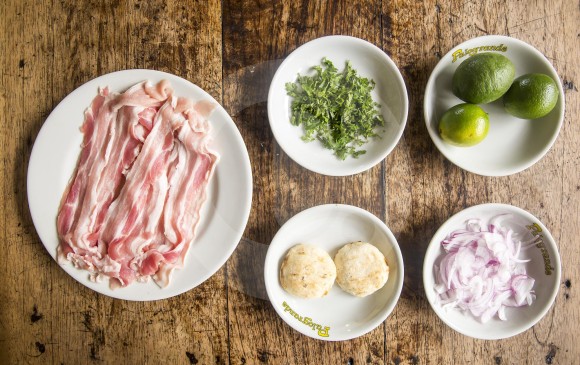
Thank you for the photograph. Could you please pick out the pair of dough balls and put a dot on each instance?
(359, 268)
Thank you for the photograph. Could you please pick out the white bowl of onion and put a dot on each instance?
(491, 271)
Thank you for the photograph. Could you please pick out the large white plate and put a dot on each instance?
(224, 215)
(512, 145)
(330, 227)
(544, 266)
(369, 61)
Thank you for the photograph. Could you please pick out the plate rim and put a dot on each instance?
(134, 76)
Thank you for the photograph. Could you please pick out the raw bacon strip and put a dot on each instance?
(135, 214)
(131, 210)
(169, 177)
(109, 147)
(187, 195)
(92, 142)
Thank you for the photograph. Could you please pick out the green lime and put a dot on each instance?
(483, 78)
(464, 125)
(531, 96)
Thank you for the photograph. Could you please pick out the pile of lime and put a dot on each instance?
(487, 77)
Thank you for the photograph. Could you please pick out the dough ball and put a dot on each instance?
(307, 272)
(361, 269)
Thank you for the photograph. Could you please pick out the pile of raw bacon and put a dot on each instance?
(130, 210)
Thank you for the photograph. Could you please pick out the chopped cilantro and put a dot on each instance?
(335, 108)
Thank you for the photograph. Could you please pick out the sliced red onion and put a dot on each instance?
(481, 273)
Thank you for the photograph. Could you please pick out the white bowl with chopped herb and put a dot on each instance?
(492, 271)
(337, 105)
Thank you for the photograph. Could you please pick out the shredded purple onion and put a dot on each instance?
(481, 273)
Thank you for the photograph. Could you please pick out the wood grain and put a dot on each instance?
(282, 187)
(49, 50)
(232, 49)
(436, 189)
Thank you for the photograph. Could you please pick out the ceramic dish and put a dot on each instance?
(224, 214)
(544, 267)
(512, 144)
(340, 315)
(370, 62)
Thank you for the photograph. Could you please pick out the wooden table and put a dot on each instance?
(232, 49)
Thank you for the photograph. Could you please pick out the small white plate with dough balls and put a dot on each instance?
(319, 294)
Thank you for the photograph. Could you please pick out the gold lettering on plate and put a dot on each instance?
(460, 53)
(538, 241)
(322, 331)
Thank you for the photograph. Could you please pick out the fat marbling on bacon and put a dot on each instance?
(133, 203)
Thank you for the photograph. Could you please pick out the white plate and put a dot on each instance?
(224, 215)
(512, 145)
(547, 281)
(330, 227)
(370, 62)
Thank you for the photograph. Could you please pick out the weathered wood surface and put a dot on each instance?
(232, 49)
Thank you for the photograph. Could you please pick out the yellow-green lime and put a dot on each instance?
(464, 125)
(531, 96)
(483, 78)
